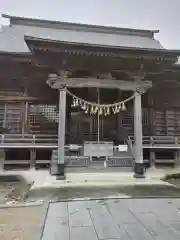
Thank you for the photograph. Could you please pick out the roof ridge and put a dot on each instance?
(71, 24)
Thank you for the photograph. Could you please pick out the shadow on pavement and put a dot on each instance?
(142, 191)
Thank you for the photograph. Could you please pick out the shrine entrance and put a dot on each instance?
(68, 59)
(93, 127)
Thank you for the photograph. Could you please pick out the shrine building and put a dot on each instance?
(77, 95)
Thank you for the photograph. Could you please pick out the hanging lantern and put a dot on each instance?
(123, 107)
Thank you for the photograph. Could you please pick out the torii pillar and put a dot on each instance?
(61, 133)
(138, 150)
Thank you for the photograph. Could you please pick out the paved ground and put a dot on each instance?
(98, 170)
(130, 219)
(136, 191)
(123, 219)
(21, 223)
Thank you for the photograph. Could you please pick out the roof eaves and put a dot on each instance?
(43, 40)
(19, 57)
(19, 54)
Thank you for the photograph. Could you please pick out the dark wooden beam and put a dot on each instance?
(56, 83)
(17, 98)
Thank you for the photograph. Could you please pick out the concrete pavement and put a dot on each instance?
(107, 206)
(42, 179)
(127, 219)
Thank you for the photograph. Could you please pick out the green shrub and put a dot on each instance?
(171, 176)
(4, 130)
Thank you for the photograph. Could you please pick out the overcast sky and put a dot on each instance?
(147, 14)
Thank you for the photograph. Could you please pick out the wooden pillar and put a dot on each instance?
(152, 155)
(118, 119)
(177, 153)
(68, 120)
(5, 115)
(139, 163)
(2, 159)
(177, 158)
(32, 158)
(24, 117)
(90, 129)
(152, 158)
(61, 132)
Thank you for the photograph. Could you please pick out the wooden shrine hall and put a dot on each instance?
(77, 94)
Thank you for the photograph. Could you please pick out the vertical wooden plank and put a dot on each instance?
(26, 120)
(177, 152)
(118, 119)
(152, 157)
(5, 115)
(150, 104)
(2, 159)
(177, 158)
(32, 158)
(68, 120)
(91, 129)
(22, 116)
(151, 122)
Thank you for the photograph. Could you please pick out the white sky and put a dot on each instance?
(147, 14)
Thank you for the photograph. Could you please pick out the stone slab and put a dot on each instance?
(125, 219)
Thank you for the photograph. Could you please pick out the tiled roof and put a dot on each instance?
(14, 20)
(12, 38)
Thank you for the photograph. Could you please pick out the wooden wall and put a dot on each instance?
(161, 105)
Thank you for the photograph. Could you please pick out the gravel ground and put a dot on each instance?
(175, 182)
(5, 187)
(20, 223)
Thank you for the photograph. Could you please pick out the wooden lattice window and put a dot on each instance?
(145, 117)
(2, 112)
(10, 117)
